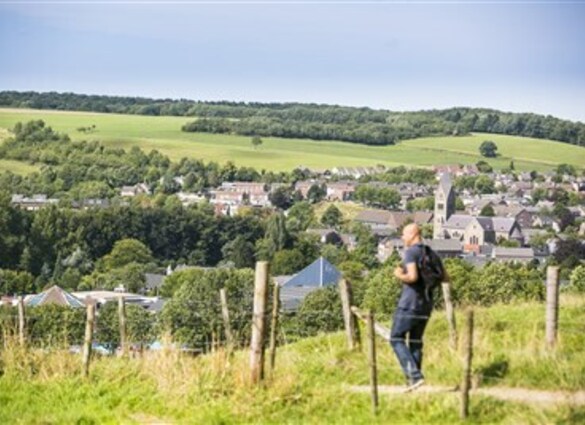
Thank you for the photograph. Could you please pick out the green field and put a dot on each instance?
(165, 135)
(312, 380)
(17, 167)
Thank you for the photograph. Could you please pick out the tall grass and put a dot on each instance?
(310, 384)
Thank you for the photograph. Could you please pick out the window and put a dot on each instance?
(440, 206)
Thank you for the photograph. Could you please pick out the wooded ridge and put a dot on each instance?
(312, 121)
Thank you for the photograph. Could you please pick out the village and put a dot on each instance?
(515, 222)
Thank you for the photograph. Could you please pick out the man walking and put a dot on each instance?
(413, 311)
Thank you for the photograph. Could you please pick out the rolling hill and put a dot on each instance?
(279, 154)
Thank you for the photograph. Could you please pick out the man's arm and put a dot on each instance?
(411, 274)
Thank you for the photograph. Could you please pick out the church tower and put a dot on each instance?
(444, 205)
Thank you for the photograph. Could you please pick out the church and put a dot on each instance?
(473, 232)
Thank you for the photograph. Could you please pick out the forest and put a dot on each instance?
(312, 121)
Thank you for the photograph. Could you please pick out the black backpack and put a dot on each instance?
(431, 270)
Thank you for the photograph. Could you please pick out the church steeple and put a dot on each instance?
(444, 205)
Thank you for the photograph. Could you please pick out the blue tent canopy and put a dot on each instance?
(318, 274)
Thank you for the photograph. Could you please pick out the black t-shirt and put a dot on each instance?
(413, 294)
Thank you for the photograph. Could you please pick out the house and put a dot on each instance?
(188, 198)
(102, 297)
(54, 295)
(304, 186)
(387, 246)
(392, 221)
(153, 282)
(34, 203)
(356, 172)
(243, 187)
(237, 193)
(340, 191)
(332, 236)
(446, 248)
(543, 221)
(319, 274)
(457, 170)
(87, 204)
(520, 214)
(477, 231)
(517, 255)
(8, 300)
(137, 189)
(475, 207)
(375, 219)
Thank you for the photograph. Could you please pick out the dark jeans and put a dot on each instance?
(412, 324)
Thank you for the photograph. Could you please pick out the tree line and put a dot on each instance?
(314, 121)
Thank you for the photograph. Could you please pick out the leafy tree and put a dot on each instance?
(367, 247)
(488, 149)
(487, 211)
(563, 216)
(130, 276)
(320, 311)
(382, 290)
(16, 282)
(276, 236)
(256, 141)
(287, 262)
(499, 282)
(54, 325)
(281, 197)
(569, 253)
(193, 315)
(578, 279)
(565, 169)
(239, 251)
(176, 280)
(300, 216)
(334, 254)
(421, 204)
(316, 193)
(459, 205)
(484, 184)
(484, 167)
(332, 216)
(140, 325)
(127, 251)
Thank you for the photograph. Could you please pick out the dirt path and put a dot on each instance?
(520, 395)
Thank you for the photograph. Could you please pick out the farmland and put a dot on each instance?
(165, 135)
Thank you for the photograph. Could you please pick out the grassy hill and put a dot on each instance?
(312, 380)
(165, 135)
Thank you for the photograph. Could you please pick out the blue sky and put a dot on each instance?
(518, 56)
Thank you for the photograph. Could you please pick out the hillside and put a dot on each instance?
(312, 121)
(312, 380)
(165, 135)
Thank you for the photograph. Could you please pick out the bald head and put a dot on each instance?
(411, 234)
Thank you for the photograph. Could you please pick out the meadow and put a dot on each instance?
(312, 380)
(280, 154)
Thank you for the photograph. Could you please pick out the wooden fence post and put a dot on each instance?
(89, 322)
(21, 322)
(122, 322)
(225, 314)
(372, 360)
(259, 322)
(450, 312)
(467, 361)
(552, 305)
(351, 328)
(274, 324)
